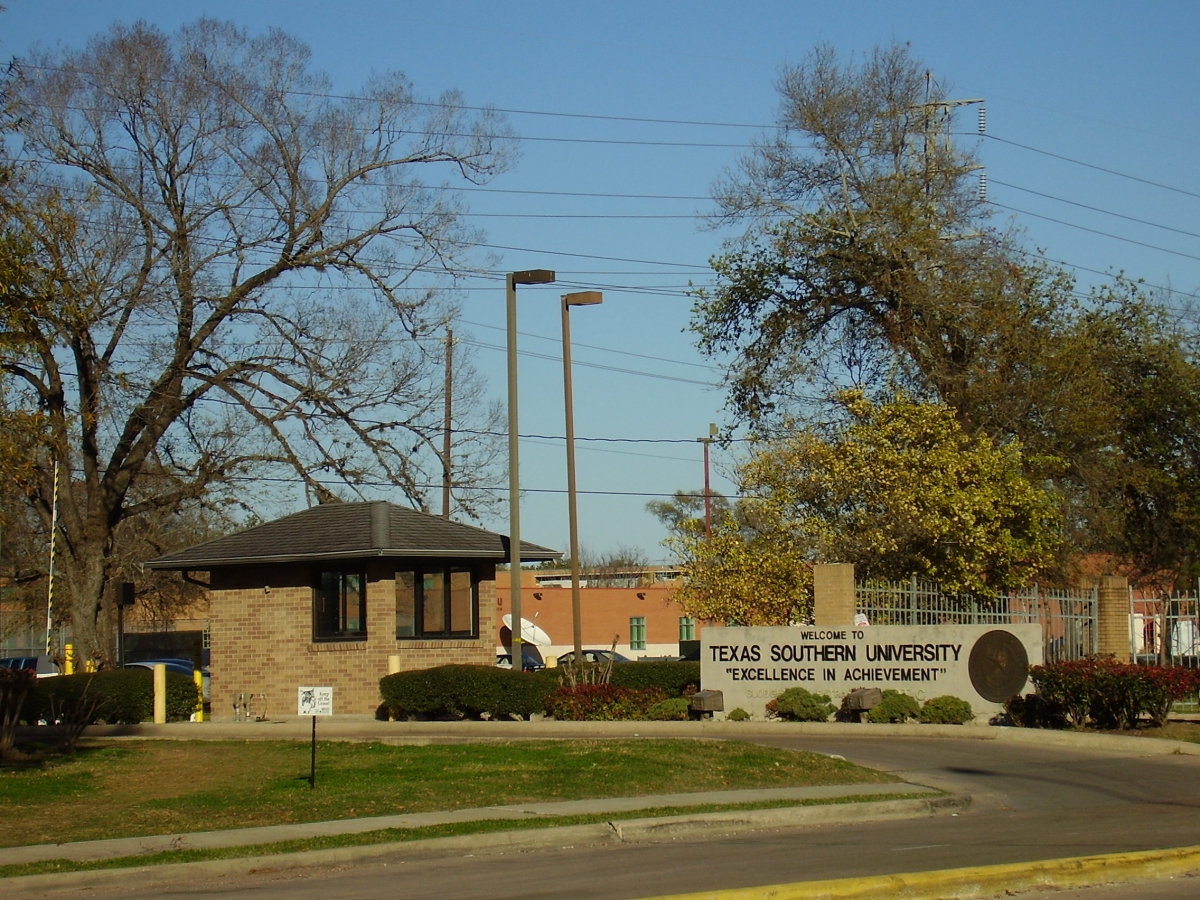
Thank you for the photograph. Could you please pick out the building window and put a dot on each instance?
(437, 602)
(687, 628)
(340, 606)
(637, 632)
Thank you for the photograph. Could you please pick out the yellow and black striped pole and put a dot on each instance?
(53, 548)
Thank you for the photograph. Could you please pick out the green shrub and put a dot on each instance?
(896, 707)
(465, 691)
(737, 714)
(602, 702)
(677, 679)
(798, 705)
(946, 710)
(673, 709)
(122, 696)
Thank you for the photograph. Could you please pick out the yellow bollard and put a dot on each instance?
(160, 694)
(69, 659)
(393, 663)
(198, 677)
(89, 665)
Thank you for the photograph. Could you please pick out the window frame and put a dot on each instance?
(342, 634)
(687, 628)
(637, 632)
(420, 572)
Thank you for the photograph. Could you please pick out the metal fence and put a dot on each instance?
(1068, 617)
(1165, 630)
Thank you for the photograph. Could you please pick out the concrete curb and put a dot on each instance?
(133, 847)
(363, 728)
(977, 882)
(624, 831)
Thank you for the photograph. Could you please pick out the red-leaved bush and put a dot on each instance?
(1112, 694)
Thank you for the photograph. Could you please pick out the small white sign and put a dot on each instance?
(314, 701)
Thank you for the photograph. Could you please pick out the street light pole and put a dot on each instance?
(579, 298)
(529, 276)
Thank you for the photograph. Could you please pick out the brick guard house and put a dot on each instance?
(327, 595)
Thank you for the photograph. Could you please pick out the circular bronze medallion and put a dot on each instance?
(999, 666)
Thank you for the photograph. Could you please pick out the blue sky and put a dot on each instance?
(1084, 87)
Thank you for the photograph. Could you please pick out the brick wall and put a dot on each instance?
(261, 640)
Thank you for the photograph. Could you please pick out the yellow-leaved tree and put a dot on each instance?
(897, 488)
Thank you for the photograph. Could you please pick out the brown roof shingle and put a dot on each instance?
(349, 531)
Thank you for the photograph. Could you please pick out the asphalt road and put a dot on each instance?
(1031, 803)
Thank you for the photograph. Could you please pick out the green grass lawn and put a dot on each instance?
(159, 787)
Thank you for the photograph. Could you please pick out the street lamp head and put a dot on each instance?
(582, 298)
(532, 276)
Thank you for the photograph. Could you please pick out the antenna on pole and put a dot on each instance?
(53, 548)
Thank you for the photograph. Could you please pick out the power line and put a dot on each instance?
(1115, 237)
(1097, 209)
(1088, 165)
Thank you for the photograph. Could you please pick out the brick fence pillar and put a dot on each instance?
(833, 594)
(1113, 617)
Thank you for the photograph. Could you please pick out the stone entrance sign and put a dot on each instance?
(982, 664)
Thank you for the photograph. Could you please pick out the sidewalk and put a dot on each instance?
(269, 834)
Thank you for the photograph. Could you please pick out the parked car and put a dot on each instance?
(530, 656)
(39, 665)
(178, 666)
(592, 656)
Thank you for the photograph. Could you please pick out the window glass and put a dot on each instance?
(462, 619)
(637, 633)
(687, 628)
(406, 604)
(340, 606)
(433, 604)
(354, 605)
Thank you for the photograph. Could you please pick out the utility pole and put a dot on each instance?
(712, 436)
(936, 127)
(446, 474)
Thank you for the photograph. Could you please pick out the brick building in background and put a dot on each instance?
(327, 595)
(633, 606)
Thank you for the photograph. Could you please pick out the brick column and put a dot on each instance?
(1112, 617)
(833, 594)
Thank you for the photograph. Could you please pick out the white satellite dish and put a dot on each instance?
(530, 633)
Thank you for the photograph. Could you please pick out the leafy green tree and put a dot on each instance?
(866, 255)
(685, 510)
(232, 274)
(866, 258)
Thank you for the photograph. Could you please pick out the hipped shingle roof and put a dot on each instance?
(349, 531)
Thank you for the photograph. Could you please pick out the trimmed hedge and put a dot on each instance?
(946, 710)
(798, 705)
(674, 709)
(465, 691)
(896, 707)
(602, 702)
(676, 678)
(126, 696)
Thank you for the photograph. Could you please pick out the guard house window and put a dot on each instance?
(340, 606)
(637, 632)
(437, 602)
(687, 628)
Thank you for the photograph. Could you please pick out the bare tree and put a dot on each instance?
(237, 275)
